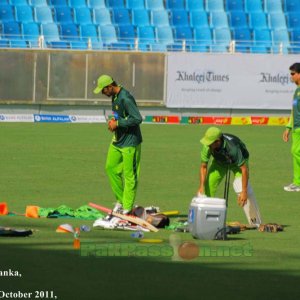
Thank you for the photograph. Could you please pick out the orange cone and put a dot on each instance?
(32, 211)
(3, 209)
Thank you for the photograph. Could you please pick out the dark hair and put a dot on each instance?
(295, 67)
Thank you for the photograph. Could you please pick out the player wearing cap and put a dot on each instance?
(123, 158)
(294, 128)
(225, 151)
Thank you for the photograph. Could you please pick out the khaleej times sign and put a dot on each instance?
(230, 81)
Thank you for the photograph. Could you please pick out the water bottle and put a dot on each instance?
(76, 242)
(137, 234)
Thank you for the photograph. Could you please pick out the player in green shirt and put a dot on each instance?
(221, 151)
(123, 158)
(294, 128)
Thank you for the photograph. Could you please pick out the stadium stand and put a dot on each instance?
(164, 24)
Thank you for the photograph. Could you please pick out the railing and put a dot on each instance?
(209, 46)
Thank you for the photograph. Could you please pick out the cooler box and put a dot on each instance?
(206, 217)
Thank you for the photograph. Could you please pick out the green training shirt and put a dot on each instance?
(294, 122)
(126, 112)
(232, 152)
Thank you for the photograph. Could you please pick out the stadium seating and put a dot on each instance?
(126, 33)
(101, 16)
(175, 4)
(56, 3)
(203, 40)
(11, 30)
(43, 14)
(243, 39)
(77, 3)
(69, 32)
(120, 16)
(140, 17)
(50, 32)
(183, 34)
(164, 35)
(24, 14)
(146, 35)
(238, 19)
(154, 4)
(115, 3)
(93, 4)
(179, 18)
(6, 13)
(82, 15)
(30, 31)
(293, 20)
(257, 20)
(194, 5)
(273, 6)
(292, 6)
(252, 6)
(159, 18)
(277, 21)
(163, 24)
(38, 3)
(89, 31)
(135, 4)
(198, 18)
(218, 19)
(234, 5)
(215, 5)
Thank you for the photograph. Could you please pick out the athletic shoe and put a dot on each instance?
(118, 207)
(292, 188)
(125, 211)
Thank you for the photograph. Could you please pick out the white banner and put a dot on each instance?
(237, 81)
(51, 118)
(16, 118)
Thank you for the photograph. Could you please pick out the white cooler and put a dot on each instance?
(207, 217)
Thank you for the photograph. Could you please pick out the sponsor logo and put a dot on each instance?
(52, 118)
(282, 79)
(206, 76)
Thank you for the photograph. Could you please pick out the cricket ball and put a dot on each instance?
(188, 250)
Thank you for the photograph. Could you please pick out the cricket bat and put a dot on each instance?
(130, 218)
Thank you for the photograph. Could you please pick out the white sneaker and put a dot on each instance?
(292, 188)
(118, 207)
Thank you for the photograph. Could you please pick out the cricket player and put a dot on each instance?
(225, 151)
(124, 153)
(294, 127)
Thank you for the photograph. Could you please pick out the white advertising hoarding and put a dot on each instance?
(238, 81)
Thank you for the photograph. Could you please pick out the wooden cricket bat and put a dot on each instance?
(130, 218)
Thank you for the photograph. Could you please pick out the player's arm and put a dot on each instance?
(243, 196)
(288, 128)
(133, 116)
(205, 157)
(202, 175)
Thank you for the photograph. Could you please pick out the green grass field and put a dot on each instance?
(53, 164)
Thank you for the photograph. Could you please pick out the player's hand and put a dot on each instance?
(200, 192)
(112, 125)
(242, 198)
(286, 135)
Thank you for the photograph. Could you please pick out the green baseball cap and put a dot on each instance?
(211, 135)
(102, 82)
